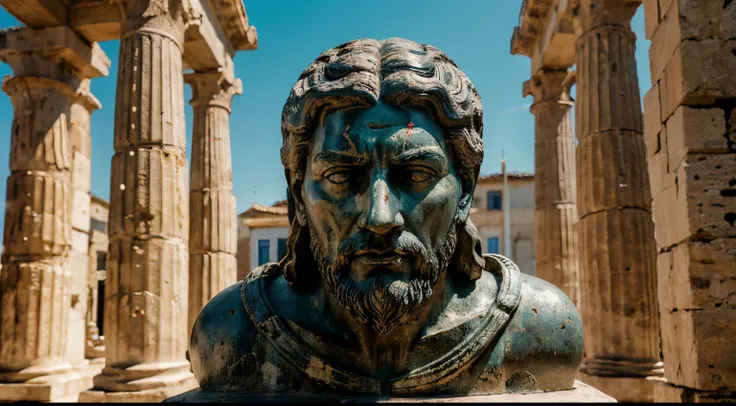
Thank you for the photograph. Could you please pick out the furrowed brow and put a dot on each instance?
(421, 154)
(337, 157)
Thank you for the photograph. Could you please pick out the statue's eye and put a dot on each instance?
(420, 176)
(416, 175)
(338, 177)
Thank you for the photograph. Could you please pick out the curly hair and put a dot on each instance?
(360, 74)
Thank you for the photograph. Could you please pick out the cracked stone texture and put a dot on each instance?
(616, 232)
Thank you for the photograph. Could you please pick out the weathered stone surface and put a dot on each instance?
(698, 202)
(556, 212)
(697, 274)
(689, 20)
(147, 276)
(698, 74)
(699, 346)
(668, 393)
(213, 218)
(692, 130)
(616, 233)
(612, 172)
(622, 388)
(35, 283)
(653, 123)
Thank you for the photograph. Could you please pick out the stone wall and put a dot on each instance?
(689, 118)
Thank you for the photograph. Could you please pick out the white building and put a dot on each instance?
(487, 215)
(262, 232)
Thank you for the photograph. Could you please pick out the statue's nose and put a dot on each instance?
(383, 215)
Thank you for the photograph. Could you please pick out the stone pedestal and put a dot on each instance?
(213, 218)
(556, 213)
(689, 128)
(580, 393)
(146, 333)
(50, 66)
(616, 232)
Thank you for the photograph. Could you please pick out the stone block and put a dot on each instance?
(692, 130)
(699, 201)
(651, 17)
(659, 170)
(697, 347)
(689, 20)
(699, 73)
(697, 274)
(664, 6)
(652, 120)
(667, 393)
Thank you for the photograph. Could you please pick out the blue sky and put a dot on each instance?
(474, 33)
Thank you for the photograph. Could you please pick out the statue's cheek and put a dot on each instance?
(435, 211)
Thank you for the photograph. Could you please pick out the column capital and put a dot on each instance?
(549, 84)
(595, 14)
(157, 17)
(550, 87)
(85, 97)
(213, 89)
(56, 53)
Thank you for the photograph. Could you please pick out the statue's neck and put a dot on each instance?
(387, 355)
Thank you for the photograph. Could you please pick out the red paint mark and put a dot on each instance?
(410, 126)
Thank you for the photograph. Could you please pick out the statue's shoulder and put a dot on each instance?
(224, 337)
(542, 346)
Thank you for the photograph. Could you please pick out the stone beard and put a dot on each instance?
(384, 304)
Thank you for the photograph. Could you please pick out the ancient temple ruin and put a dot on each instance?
(150, 289)
(666, 173)
(635, 222)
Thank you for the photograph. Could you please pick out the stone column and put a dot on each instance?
(556, 213)
(50, 66)
(616, 231)
(690, 131)
(81, 147)
(213, 218)
(147, 269)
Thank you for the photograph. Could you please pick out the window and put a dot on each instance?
(101, 260)
(493, 245)
(281, 248)
(98, 225)
(264, 248)
(493, 200)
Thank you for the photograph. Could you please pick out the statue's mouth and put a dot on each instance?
(374, 257)
(372, 263)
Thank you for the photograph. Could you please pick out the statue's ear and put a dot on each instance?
(466, 200)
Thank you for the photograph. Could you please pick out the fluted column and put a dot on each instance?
(147, 270)
(213, 218)
(616, 231)
(35, 280)
(50, 66)
(556, 213)
(82, 276)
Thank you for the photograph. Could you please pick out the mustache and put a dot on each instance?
(406, 243)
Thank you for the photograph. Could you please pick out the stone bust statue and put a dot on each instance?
(384, 290)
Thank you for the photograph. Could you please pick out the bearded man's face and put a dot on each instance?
(381, 198)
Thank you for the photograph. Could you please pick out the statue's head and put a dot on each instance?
(382, 150)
